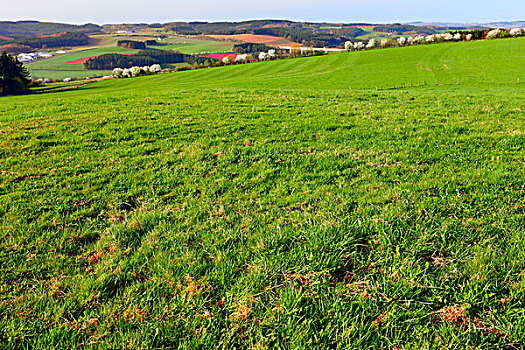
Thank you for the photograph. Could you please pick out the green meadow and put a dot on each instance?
(363, 200)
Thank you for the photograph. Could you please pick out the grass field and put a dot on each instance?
(269, 206)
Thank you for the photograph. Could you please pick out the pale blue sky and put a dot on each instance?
(376, 11)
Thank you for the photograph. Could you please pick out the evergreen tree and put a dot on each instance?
(14, 77)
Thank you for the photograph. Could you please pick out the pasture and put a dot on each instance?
(363, 200)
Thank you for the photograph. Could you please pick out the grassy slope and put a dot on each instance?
(268, 205)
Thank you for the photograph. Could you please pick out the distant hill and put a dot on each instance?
(21, 29)
(306, 33)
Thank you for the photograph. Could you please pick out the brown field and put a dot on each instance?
(258, 39)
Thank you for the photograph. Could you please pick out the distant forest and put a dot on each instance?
(66, 39)
(21, 29)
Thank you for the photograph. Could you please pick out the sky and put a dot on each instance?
(150, 11)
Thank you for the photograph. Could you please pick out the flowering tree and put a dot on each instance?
(227, 59)
(263, 56)
(349, 46)
(359, 46)
(372, 43)
(402, 41)
(155, 68)
(242, 58)
(516, 32)
(457, 37)
(117, 72)
(468, 37)
(135, 71)
(419, 39)
(493, 34)
(272, 54)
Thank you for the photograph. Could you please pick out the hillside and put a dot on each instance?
(35, 28)
(269, 205)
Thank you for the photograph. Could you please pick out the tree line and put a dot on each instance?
(250, 48)
(66, 39)
(143, 58)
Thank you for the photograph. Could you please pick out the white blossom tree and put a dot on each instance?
(135, 71)
(359, 45)
(349, 46)
(468, 37)
(242, 58)
(263, 56)
(155, 68)
(448, 37)
(372, 43)
(401, 41)
(493, 34)
(457, 36)
(419, 39)
(227, 59)
(117, 72)
(516, 32)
